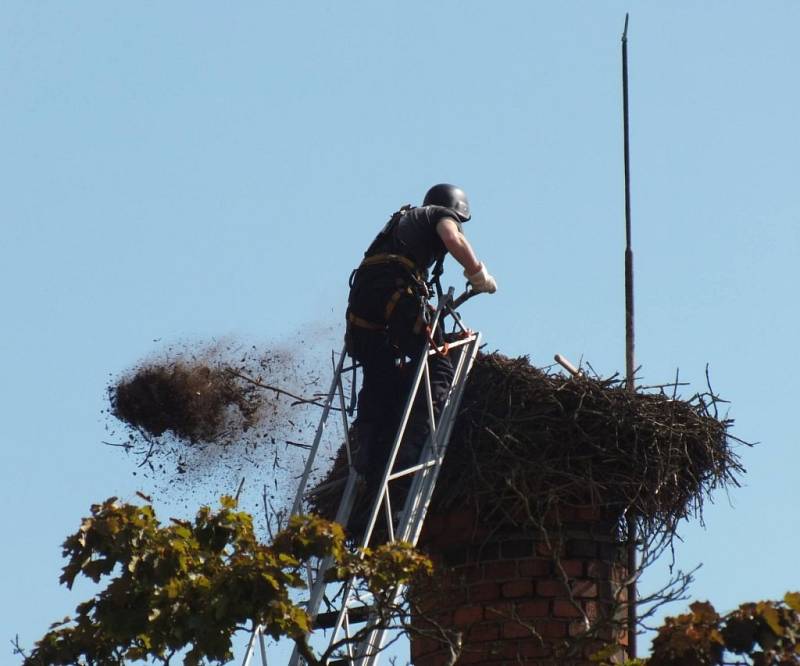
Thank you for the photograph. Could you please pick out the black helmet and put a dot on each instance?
(451, 197)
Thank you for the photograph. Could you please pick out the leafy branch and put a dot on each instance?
(188, 587)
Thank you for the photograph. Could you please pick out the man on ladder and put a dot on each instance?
(391, 329)
(387, 320)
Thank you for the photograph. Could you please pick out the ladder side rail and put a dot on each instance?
(263, 648)
(349, 645)
(345, 421)
(429, 404)
(248, 655)
(257, 635)
(312, 454)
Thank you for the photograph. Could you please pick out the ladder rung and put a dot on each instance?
(328, 620)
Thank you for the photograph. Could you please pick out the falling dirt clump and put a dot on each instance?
(193, 400)
(199, 418)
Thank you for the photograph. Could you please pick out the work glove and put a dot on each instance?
(481, 281)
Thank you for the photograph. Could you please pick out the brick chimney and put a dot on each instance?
(518, 597)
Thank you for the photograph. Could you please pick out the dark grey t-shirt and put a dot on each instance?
(415, 236)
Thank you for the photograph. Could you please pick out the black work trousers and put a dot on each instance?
(389, 359)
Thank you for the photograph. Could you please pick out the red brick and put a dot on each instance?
(455, 555)
(433, 524)
(544, 550)
(577, 628)
(486, 631)
(503, 570)
(504, 609)
(589, 513)
(517, 588)
(573, 568)
(618, 573)
(598, 569)
(511, 650)
(460, 522)
(564, 514)
(517, 548)
(516, 630)
(484, 591)
(443, 617)
(532, 568)
(553, 629)
(582, 548)
(533, 649)
(420, 646)
(584, 588)
(467, 615)
(592, 610)
(612, 552)
(470, 573)
(562, 608)
(485, 552)
(535, 608)
(550, 588)
(470, 655)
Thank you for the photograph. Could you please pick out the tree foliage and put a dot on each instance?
(764, 633)
(187, 587)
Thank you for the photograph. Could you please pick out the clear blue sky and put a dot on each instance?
(200, 169)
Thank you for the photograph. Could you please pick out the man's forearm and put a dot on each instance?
(464, 254)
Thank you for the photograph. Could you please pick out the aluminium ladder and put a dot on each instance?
(405, 525)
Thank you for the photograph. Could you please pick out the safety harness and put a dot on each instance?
(411, 284)
(419, 288)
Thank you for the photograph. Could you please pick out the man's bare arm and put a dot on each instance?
(458, 245)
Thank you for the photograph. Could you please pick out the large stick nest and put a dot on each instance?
(538, 438)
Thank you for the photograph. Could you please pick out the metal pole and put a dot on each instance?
(629, 335)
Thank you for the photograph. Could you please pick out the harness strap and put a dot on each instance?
(386, 258)
(355, 320)
(391, 304)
